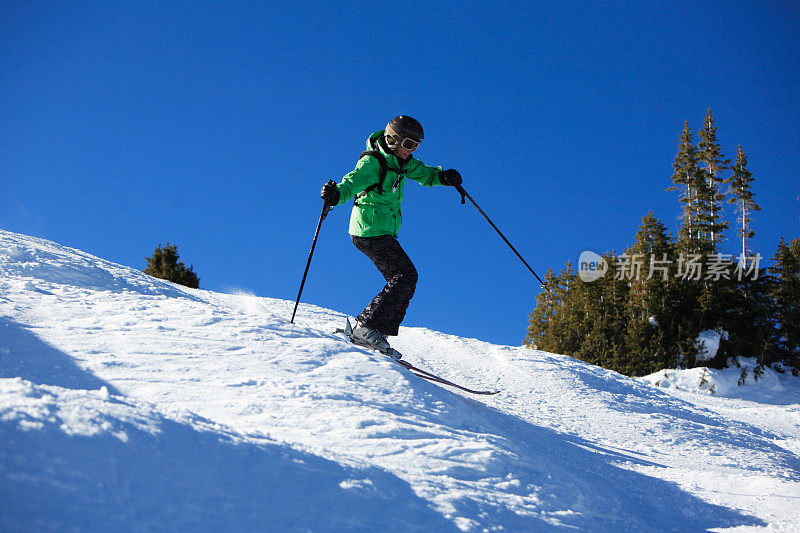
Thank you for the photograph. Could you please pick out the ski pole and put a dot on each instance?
(325, 209)
(465, 194)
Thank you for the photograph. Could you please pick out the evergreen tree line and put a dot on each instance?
(648, 309)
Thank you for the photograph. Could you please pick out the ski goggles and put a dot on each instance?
(406, 143)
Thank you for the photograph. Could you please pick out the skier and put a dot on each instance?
(377, 184)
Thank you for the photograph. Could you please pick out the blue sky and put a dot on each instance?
(213, 125)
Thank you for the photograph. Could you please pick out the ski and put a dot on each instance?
(424, 374)
(397, 357)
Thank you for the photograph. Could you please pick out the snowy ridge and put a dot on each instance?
(131, 401)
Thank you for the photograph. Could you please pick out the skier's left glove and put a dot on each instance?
(450, 177)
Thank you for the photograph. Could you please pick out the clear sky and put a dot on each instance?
(213, 126)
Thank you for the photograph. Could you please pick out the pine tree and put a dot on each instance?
(742, 198)
(686, 313)
(786, 298)
(555, 324)
(744, 306)
(649, 338)
(710, 199)
(546, 316)
(542, 316)
(165, 264)
(688, 177)
(605, 343)
(712, 294)
(653, 246)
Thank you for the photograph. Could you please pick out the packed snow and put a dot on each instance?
(707, 344)
(130, 403)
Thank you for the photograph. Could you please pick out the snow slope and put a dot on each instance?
(129, 403)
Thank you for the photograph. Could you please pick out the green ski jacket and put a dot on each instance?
(376, 214)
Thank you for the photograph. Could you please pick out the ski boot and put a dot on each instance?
(370, 338)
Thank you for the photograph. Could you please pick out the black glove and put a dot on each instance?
(330, 193)
(450, 177)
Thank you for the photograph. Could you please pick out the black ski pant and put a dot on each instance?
(386, 311)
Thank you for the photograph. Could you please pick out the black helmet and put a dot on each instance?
(406, 127)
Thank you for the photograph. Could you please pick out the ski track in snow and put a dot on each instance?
(131, 401)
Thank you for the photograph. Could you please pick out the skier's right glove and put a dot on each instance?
(330, 193)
